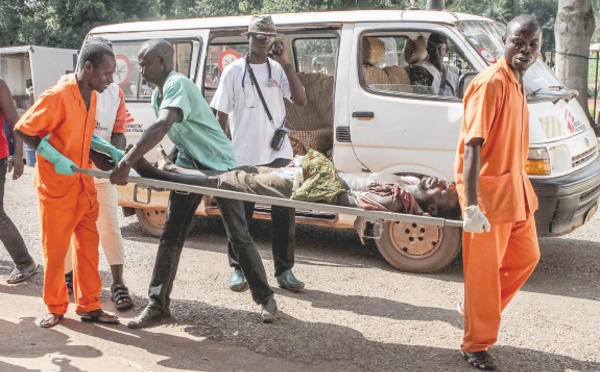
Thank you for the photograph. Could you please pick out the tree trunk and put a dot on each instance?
(573, 30)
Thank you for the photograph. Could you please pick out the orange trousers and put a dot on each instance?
(495, 265)
(58, 223)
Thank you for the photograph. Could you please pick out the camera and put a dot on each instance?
(278, 138)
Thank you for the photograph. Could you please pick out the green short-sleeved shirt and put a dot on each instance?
(197, 134)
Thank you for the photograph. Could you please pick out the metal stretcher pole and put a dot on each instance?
(319, 207)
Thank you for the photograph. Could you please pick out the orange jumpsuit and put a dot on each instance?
(67, 203)
(496, 264)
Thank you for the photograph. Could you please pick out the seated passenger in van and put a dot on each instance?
(437, 49)
(321, 184)
(426, 64)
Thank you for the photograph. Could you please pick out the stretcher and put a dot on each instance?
(375, 217)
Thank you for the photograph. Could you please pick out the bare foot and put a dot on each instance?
(162, 160)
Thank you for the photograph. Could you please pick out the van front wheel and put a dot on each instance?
(418, 248)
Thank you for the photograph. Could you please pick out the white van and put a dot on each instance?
(368, 113)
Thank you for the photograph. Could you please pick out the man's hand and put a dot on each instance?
(475, 221)
(15, 164)
(64, 166)
(279, 53)
(101, 161)
(102, 145)
(120, 174)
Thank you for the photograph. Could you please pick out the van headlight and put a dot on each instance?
(538, 162)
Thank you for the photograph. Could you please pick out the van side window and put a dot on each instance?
(127, 74)
(218, 57)
(316, 55)
(414, 62)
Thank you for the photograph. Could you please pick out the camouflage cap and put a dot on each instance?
(261, 24)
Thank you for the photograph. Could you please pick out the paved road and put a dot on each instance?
(357, 314)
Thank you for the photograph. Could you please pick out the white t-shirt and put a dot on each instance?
(110, 107)
(251, 130)
(107, 106)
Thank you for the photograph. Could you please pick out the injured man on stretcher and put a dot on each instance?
(314, 179)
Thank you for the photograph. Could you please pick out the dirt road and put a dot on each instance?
(357, 314)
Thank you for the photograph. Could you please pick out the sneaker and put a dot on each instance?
(149, 316)
(268, 311)
(238, 283)
(288, 281)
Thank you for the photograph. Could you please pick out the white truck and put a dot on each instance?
(29, 70)
(41, 66)
(369, 116)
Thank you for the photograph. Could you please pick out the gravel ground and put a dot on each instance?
(357, 314)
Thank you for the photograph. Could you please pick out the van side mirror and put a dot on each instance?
(463, 83)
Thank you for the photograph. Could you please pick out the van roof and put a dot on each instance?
(289, 19)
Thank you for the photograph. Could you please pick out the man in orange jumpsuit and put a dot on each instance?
(493, 186)
(60, 126)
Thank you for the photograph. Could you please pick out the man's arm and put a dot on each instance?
(297, 92)
(223, 119)
(8, 109)
(118, 140)
(151, 137)
(471, 170)
(474, 219)
(32, 141)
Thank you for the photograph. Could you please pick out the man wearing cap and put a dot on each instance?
(249, 99)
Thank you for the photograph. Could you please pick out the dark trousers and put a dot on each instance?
(10, 236)
(180, 212)
(284, 231)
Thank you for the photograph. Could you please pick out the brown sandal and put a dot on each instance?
(50, 320)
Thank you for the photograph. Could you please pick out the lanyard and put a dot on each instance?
(254, 82)
(248, 68)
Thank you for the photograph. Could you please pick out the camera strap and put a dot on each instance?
(255, 83)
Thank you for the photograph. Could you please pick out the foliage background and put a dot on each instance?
(64, 23)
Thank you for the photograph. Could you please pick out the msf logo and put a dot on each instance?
(554, 127)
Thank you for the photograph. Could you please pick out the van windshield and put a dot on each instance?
(486, 38)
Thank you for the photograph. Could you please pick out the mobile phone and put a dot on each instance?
(272, 51)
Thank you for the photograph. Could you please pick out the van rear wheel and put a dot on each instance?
(418, 248)
(153, 221)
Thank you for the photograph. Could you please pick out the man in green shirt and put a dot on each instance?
(183, 115)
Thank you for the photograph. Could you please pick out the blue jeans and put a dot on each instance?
(284, 231)
(10, 236)
(180, 212)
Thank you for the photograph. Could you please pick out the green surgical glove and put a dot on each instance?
(102, 145)
(62, 164)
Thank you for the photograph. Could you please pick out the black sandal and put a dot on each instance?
(120, 296)
(481, 360)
